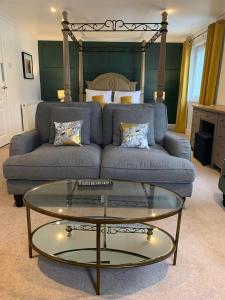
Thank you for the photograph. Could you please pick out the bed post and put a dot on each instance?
(162, 59)
(66, 58)
(142, 81)
(81, 72)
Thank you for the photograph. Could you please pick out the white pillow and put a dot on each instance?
(136, 95)
(107, 95)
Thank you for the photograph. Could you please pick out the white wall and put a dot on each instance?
(220, 99)
(19, 90)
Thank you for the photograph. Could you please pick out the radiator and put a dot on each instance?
(28, 111)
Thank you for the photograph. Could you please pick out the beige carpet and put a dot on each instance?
(199, 274)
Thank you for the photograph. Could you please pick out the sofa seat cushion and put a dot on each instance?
(52, 163)
(153, 165)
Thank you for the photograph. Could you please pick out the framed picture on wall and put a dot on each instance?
(27, 66)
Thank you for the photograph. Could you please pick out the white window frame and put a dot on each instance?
(192, 74)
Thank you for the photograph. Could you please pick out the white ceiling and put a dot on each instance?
(187, 17)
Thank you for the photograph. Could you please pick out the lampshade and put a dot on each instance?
(155, 96)
(61, 94)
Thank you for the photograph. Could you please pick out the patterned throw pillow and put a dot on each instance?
(133, 114)
(68, 133)
(134, 135)
(61, 113)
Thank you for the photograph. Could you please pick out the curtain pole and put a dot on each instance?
(162, 59)
(142, 81)
(66, 59)
(81, 72)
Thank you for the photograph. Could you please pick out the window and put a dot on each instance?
(196, 68)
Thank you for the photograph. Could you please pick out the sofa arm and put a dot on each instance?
(24, 143)
(177, 145)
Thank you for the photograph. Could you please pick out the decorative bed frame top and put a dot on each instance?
(112, 80)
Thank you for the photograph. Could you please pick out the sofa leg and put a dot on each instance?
(18, 200)
(224, 200)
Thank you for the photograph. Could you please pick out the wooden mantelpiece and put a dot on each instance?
(214, 114)
(214, 108)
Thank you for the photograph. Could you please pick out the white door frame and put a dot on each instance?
(5, 123)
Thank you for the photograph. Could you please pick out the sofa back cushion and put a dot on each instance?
(69, 114)
(160, 120)
(135, 116)
(44, 112)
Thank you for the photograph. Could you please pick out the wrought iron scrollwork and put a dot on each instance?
(71, 35)
(124, 49)
(112, 229)
(153, 39)
(114, 25)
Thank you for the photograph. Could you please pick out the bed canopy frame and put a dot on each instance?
(160, 30)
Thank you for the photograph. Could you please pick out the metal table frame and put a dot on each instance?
(98, 228)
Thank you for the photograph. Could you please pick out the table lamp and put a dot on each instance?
(155, 96)
(61, 95)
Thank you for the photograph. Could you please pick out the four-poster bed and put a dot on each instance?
(160, 29)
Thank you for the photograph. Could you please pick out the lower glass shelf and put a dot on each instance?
(128, 247)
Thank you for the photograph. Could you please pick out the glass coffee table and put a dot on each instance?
(103, 226)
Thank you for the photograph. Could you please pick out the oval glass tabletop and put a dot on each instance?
(121, 202)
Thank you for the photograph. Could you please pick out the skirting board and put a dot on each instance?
(171, 126)
(187, 131)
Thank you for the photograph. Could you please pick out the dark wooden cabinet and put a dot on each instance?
(213, 114)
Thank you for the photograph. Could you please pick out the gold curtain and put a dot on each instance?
(183, 90)
(213, 53)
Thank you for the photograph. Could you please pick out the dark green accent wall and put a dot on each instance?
(125, 63)
(51, 69)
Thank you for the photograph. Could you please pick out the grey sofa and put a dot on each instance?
(222, 182)
(34, 161)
